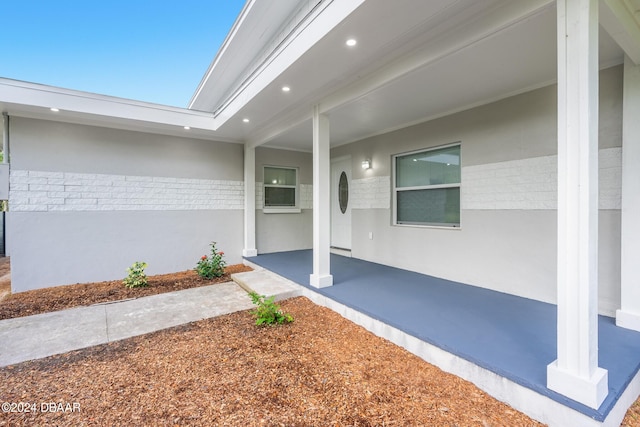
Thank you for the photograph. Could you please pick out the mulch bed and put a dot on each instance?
(62, 297)
(321, 370)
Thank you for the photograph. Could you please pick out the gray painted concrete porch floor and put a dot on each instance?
(511, 336)
(42, 335)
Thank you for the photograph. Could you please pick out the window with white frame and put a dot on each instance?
(280, 189)
(426, 188)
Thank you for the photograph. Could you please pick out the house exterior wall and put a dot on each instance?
(507, 237)
(86, 202)
(276, 232)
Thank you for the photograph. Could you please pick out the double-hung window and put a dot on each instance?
(427, 187)
(281, 189)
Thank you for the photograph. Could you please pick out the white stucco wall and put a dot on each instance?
(86, 202)
(507, 238)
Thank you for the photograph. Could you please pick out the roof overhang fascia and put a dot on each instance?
(25, 99)
(222, 51)
(316, 26)
(257, 30)
(621, 19)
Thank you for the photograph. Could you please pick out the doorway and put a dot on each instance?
(341, 205)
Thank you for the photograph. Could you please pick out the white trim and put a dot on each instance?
(629, 313)
(321, 276)
(395, 190)
(281, 209)
(576, 372)
(628, 320)
(249, 202)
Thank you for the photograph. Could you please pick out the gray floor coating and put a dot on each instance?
(42, 335)
(511, 336)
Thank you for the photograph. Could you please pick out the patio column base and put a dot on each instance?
(249, 252)
(320, 281)
(588, 391)
(626, 319)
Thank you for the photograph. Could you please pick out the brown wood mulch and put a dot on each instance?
(62, 297)
(321, 370)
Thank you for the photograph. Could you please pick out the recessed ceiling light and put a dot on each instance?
(187, 128)
(245, 120)
(55, 110)
(351, 42)
(286, 88)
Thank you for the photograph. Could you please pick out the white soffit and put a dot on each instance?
(515, 59)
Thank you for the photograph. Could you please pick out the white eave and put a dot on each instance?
(258, 25)
(24, 99)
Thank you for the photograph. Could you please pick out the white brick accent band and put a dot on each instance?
(371, 193)
(39, 191)
(533, 183)
(306, 196)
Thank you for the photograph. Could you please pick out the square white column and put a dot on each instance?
(321, 276)
(249, 202)
(629, 314)
(575, 373)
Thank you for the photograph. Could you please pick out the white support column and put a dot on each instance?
(321, 276)
(249, 201)
(629, 314)
(575, 373)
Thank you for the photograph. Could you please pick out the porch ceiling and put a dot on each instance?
(429, 59)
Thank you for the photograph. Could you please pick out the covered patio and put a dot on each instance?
(510, 336)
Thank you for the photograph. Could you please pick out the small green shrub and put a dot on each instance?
(268, 312)
(211, 266)
(137, 277)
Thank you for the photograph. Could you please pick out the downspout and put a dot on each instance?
(5, 160)
(5, 137)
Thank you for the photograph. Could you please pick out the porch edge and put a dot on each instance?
(530, 402)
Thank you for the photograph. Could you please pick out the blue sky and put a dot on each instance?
(148, 50)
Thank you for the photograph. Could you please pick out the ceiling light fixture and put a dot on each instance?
(286, 88)
(245, 120)
(351, 42)
(187, 128)
(55, 110)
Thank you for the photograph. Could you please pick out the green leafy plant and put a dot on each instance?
(268, 312)
(213, 265)
(137, 277)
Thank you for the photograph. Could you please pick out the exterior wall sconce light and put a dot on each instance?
(366, 164)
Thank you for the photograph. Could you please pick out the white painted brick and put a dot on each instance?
(36, 181)
(22, 198)
(19, 173)
(18, 187)
(163, 179)
(139, 178)
(43, 174)
(15, 180)
(29, 208)
(79, 202)
(45, 187)
(79, 176)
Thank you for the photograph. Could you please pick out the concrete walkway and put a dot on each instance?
(42, 335)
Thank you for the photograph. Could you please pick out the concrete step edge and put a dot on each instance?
(241, 282)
